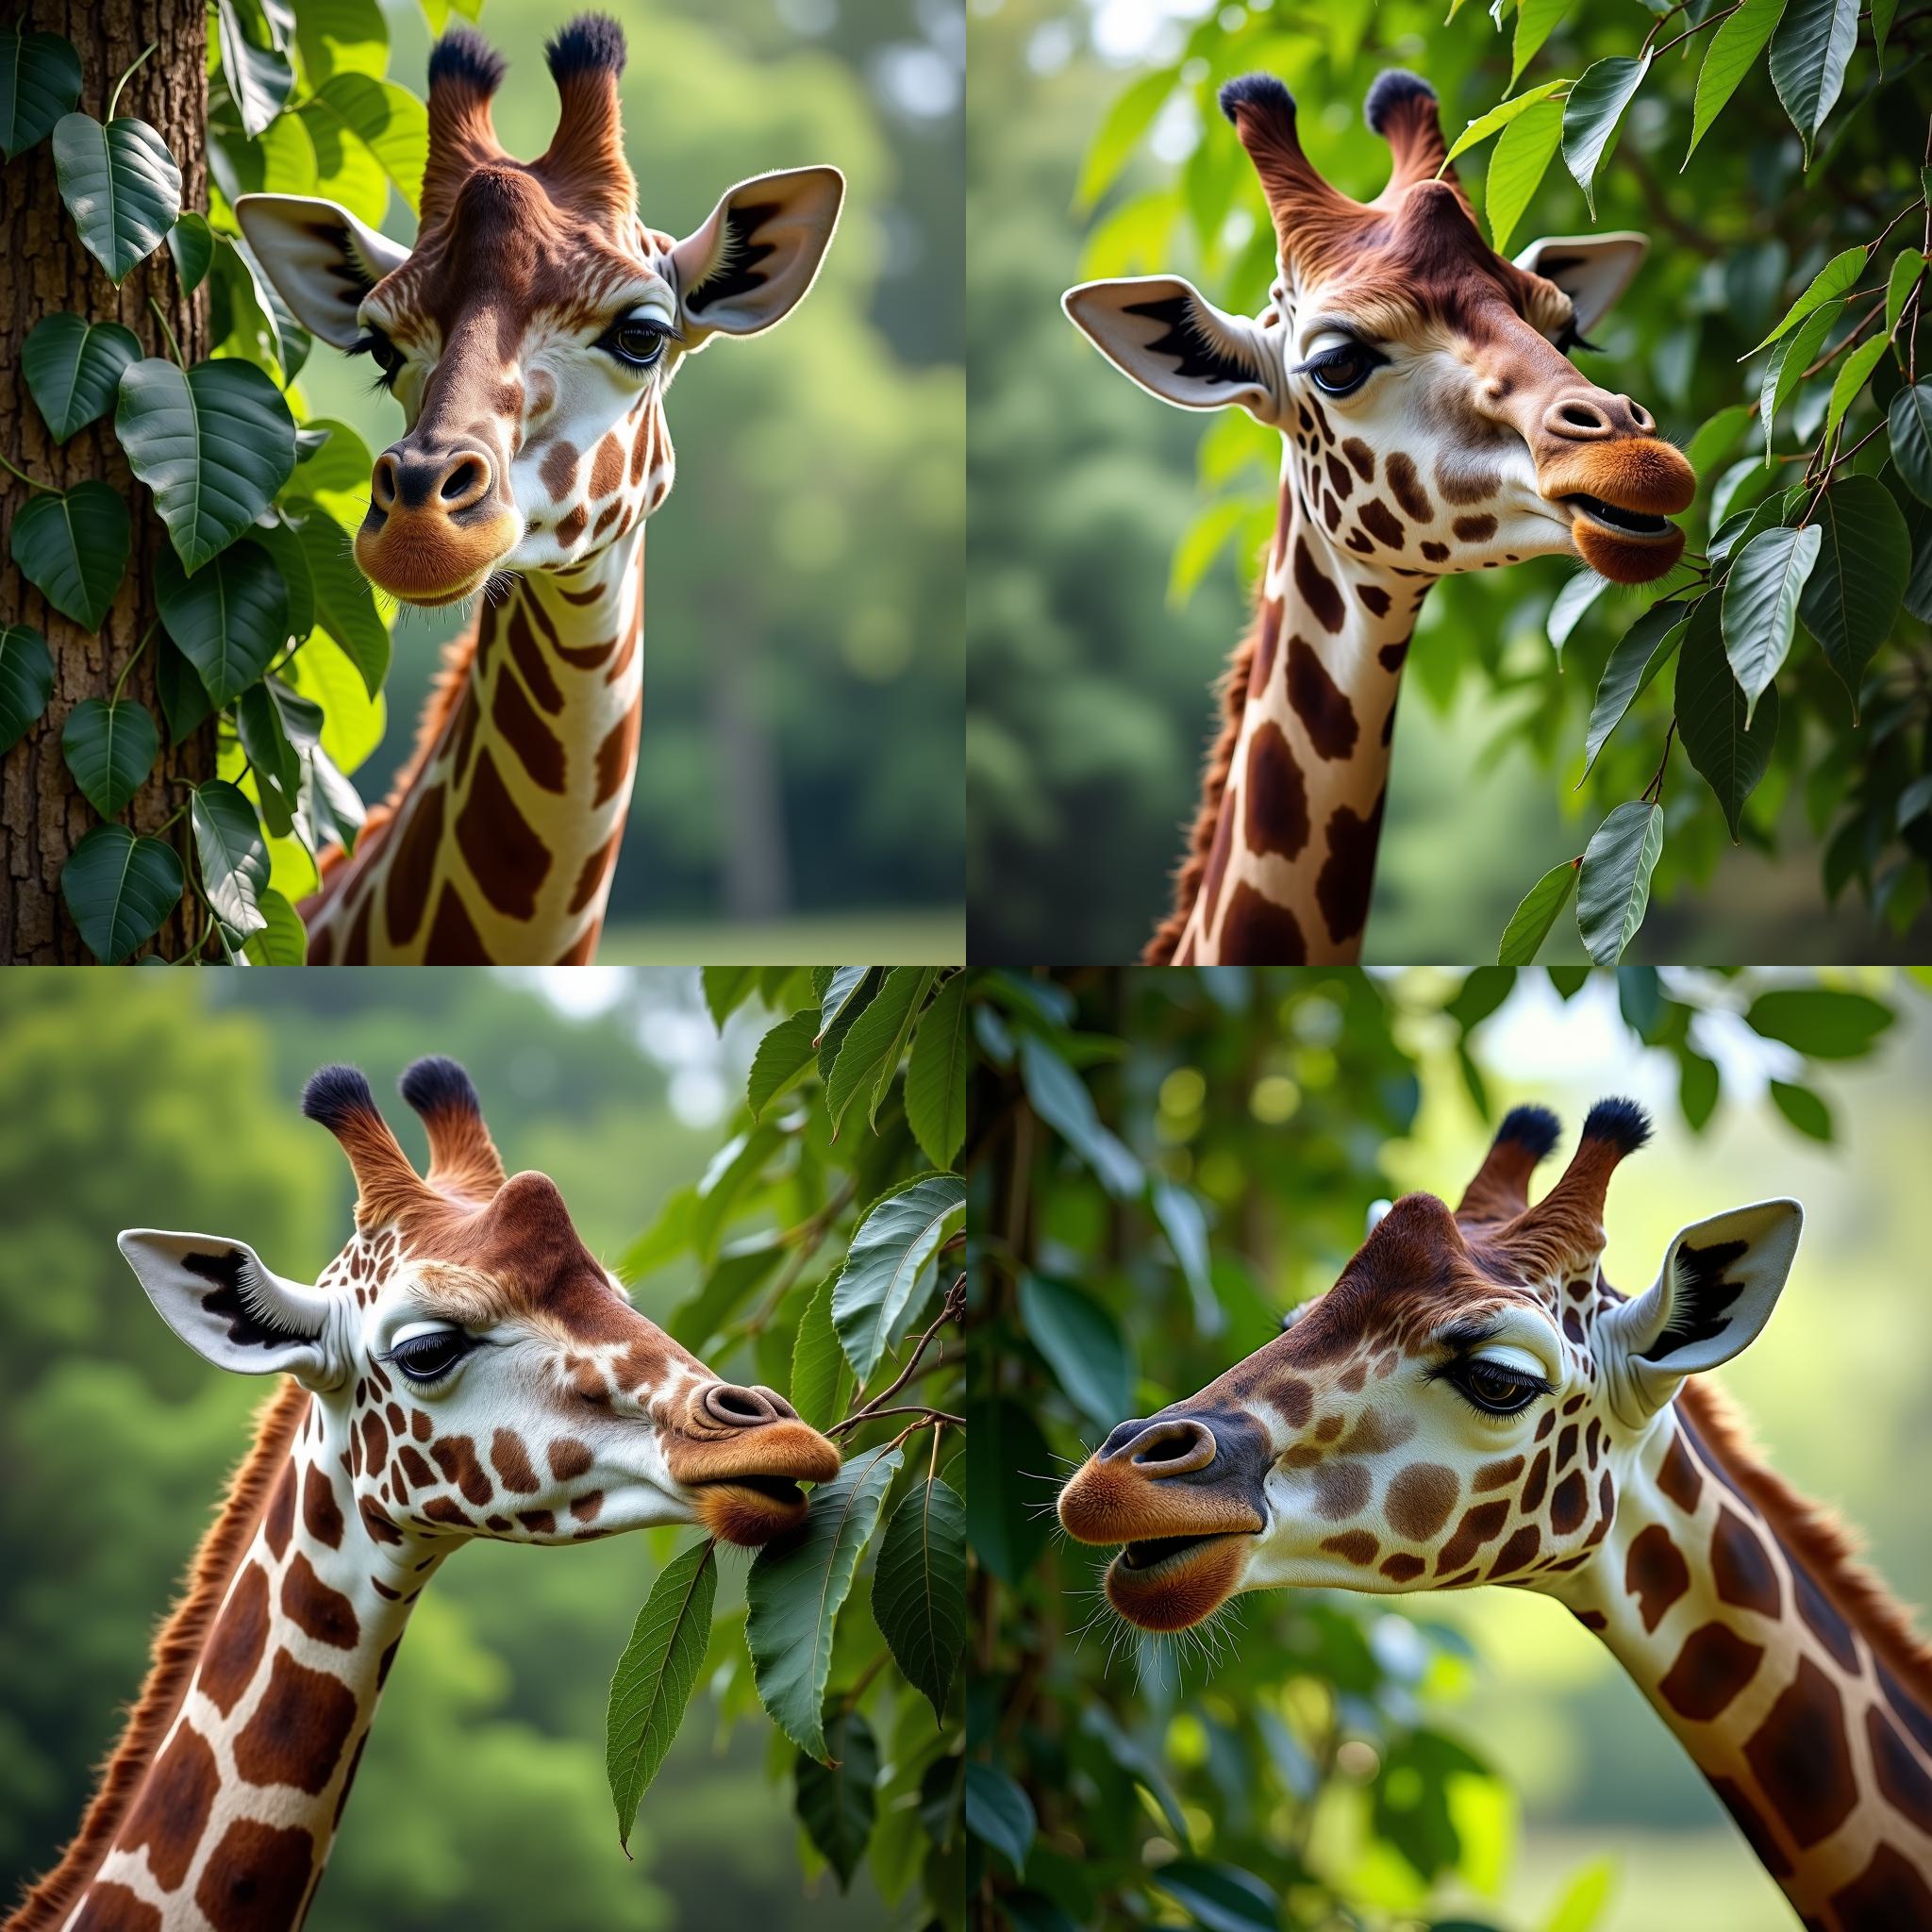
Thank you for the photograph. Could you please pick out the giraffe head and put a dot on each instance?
(531, 333)
(487, 1376)
(1461, 1407)
(1421, 381)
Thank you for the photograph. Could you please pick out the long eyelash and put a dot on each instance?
(1445, 1372)
(368, 343)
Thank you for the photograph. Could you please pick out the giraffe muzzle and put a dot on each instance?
(437, 526)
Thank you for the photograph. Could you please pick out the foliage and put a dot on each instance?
(1166, 1159)
(859, 1679)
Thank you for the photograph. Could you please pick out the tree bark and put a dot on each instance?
(44, 270)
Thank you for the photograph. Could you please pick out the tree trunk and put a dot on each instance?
(44, 270)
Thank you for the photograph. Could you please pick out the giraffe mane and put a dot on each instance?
(1814, 1534)
(177, 1647)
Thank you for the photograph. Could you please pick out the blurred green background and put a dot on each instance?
(1318, 1744)
(481, 1802)
(1089, 684)
(799, 786)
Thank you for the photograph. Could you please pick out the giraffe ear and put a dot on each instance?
(1720, 1280)
(1592, 270)
(1166, 335)
(321, 259)
(217, 1296)
(758, 252)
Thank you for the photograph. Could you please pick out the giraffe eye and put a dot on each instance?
(1491, 1386)
(636, 342)
(1343, 370)
(384, 353)
(428, 1357)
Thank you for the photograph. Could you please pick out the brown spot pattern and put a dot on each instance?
(1355, 1546)
(1420, 1499)
(455, 1456)
(297, 1732)
(1348, 874)
(1713, 1665)
(313, 1605)
(1800, 1757)
(1740, 1567)
(1275, 799)
(1889, 1895)
(569, 1457)
(512, 1463)
(1474, 529)
(1655, 1573)
(235, 1649)
(1403, 1568)
(1318, 589)
(1478, 1525)
(255, 1877)
(110, 1907)
(1568, 1505)
(1259, 932)
(1406, 489)
(1380, 521)
(507, 861)
(1322, 705)
(1679, 1478)
(1341, 1488)
(172, 1812)
(537, 749)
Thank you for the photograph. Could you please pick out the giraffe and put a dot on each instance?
(1431, 420)
(463, 1368)
(1472, 1403)
(530, 336)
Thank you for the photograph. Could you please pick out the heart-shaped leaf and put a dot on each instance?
(109, 747)
(234, 856)
(1725, 742)
(40, 81)
(73, 369)
(1851, 599)
(229, 619)
(120, 186)
(1591, 114)
(214, 444)
(120, 890)
(259, 78)
(184, 699)
(1613, 887)
(341, 37)
(191, 242)
(73, 547)
(1531, 923)
(282, 941)
(919, 1587)
(1760, 605)
(353, 118)
(26, 681)
(344, 606)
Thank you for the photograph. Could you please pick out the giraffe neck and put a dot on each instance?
(232, 1820)
(499, 843)
(1789, 1676)
(1304, 759)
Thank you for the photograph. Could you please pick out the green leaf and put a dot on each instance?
(282, 941)
(1221, 1898)
(1883, 14)
(1572, 602)
(1837, 279)
(1760, 605)
(111, 748)
(1802, 1108)
(259, 78)
(1535, 21)
(936, 1075)
(1517, 164)
(783, 1057)
(838, 1802)
(655, 1676)
(185, 702)
(341, 37)
(1060, 1099)
(1852, 598)
(836, 1003)
(1807, 61)
(1697, 1087)
(1910, 426)
(73, 369)
(1500, 116)
(26, 676)
(1820, 1021)
(726, 989)
(741, 1267)
(1581, 1906)
(73, 547)
(344, 606)
(120, 890)
(213, 445)
(228, 620)
(1789, 362)
(818, 1364)
(999, 1814)
(1591, 114)
(354, 116)
(1638, 655)
(884, 1281)
(191, 242)
(795, 1591)
(1178, 1211)
(1206, 535)
(1853, 374)
(1613, 887)
(919, 1587)
(1909, 265)
(1531, 923)
(1734, 49)
(1728, 750)
(234, 856)
(40, 81)
(1083, 1345)
(1717, 437)
(120, 186)
(328, 808)
(1008, 1462)
(1129, 117)
(869, 1055)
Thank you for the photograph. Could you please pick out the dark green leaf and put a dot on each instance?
(281, 940)
(40, 81)
(234, 856)
(729, 1283)
(1083, 1345)
(1529, 925)
(111, 748)
(1613, 887)
(936, 1076)
(886, 1277)
(837, 1802)
(1697, 1087)
(73, 547)
(120, 186)
(655, 1676)
(1007, 1466)
(783, 1056)
(27, 674)
(1060, 1099)
(185, 702)
(228, 619)
(1910, 426)
(795, 1588)
(1802, 1108)
(1820, 1021)
(1220, 1898)
(1638, 655)
(840, 990)
(277, 767)
(120, 890)
(1572, 602)
(328, 808)
(1852, 598)
(1789, 362)
(191, 242)
(73, 369)
(214, 445)
(869, 1053)
(1760, 606)
(999, 1814)
(1591, 114)
(1837, 279)
(1734, 50)
(726, 989)
(1729, 752)
(818, 1363)
(1807, 61)
(344, 606)
(919, 1587)
(259, 78)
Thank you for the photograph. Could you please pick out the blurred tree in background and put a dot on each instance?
(1110, 598)
(1163, 1162)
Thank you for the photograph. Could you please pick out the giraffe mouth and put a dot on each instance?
(1150, 1553)
(1620, 522)
(1173, 1582)
(750, 1510)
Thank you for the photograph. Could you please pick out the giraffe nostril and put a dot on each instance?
(468, 479)
(382, 482)
(738, 1408)
(1172, 1448)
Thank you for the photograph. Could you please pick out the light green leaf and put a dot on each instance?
(1760, 606)
(1613, 887)
(282, 941)
(213, 445)
(836, 1002)
(1717, 437)
(837, 1801)
(783, 1056)
(40, 81)
(353, 113)
(120, 186)
(110, 748)
(73, 369)
(1638, 655)
(191, 242)
(337, 475)
(1536, 914)
(1517, 164)
(341, 37)
(26, 676)
(818, 1364)
(1500, 116)
(936, 1075)
(1909, 423)
(1809, 55)
(1789, 362)
(1129, 118)
(885, 1281)
(1733, 50)
(1909, 265)
(1206, 534)
(228, 620)
(119, 889)
(1837, 278)
(1823, 1022)
(1572, 601)
(73, 547)
(1852, 598)
(1535, 20)
(1591, 114)
(328, 808)
(919, 1587)
(726, 989)
(1853, 374)
(1728, 747)
(796, 1588)
(234, 856)
(1583, 1900)
(344, 606)
(656, 1675)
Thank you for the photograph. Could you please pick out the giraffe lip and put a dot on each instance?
(1147, 1555)
(1623, 523)
(782, 1490)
